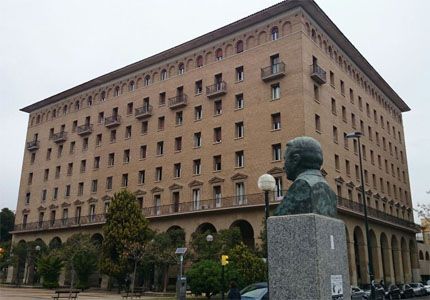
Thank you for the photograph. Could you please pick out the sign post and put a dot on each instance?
(224, 262)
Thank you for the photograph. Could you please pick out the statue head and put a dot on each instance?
(302, 153)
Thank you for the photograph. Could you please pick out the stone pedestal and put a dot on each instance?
(307, 258)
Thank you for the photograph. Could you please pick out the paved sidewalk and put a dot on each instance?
(9, 293)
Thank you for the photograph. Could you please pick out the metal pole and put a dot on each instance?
(222, 282)
(366, 223)
(266, 200)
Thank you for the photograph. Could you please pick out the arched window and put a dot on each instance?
(330, 51)
(427, 256)
(64, 109)
(218, 54)
(103, 96)
(38, 119)
(32, 121)
(163, 74)
(77, 105)
(54, 113)
(313, 35)
(239, 46)
(90, 101)
(116, 92)
(181, 68)
(421, 255)
(275, 33)
(147, 80)
(131, 86)
(199, 61)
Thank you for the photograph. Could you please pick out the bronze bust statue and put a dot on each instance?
(310, 192)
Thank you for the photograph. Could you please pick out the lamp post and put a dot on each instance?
(266, 183)
(357, 135)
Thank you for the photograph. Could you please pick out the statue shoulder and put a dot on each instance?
(300, 189)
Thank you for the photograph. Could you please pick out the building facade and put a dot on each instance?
(423, 240)
(191, 129)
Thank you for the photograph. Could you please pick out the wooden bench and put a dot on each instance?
(66, 294)
(138, 292)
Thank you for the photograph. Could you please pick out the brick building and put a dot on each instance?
(191, 129)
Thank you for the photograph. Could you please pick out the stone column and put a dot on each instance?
(307, 250)
(406, 266)
(10, 274)
(377, 263)
(351, 262)
(62, 277)
(391, 278)
(399, 268)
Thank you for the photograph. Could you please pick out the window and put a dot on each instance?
(113, 136)
(96, 162)
(239, 46)
(83, 165)
(333, 106)
(342, 87)
(344, 114)
(161, 123)
(274, 33)
(177, 170)
(181, 69)
(141, 177)
(98, 140)
(351, 96)
(60, 150)
(197, 167)
(239, 74)
(124, 181)
(348, 167)
(276, 152)
(367, 110)
(143, 152)
(217, 162)
(109, 182)
(218, 54)
(199, 61)
(74, 125)
(94, 186)
(276, 91)
(32, 158)
(27, 198)
(111, 159)
(67, 192)
(354, 124)
(126, 157)
(147, 80)
(196, 198)
(240, 193)
(370, 133)
(217, 135)
(336, 162)
(217, 195)
(335, 135)
(278, 188)
(179, 118)
(162, 99)
(357, 173)
(130, 108)
(317, 123)
(80, 188)
(163, 74)
(46, 175)
(30, 178)
(85, 144)
(57, 171)
(316, 93)
(178, 143)
(160, 148)
(116, 91)
(44, 193)
(198, 113)
(158, 174)
(345, 141)
(240, 159)
(131, 86)
(239, 130)
(101, 117)
(144, 128)
(199, 87)
(276, 121)
(331, 78)
(48, 153)
(197, 139)
(239, 101)
(217, 107)
(69, 169)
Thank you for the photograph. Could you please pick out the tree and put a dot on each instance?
(7, 220)
(205, 277)
(124, 224)
(49, 268)
(162, 251)
(80, 256)
(223, 242)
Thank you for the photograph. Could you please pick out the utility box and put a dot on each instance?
(181, 288)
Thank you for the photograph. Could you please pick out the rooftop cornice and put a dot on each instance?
(309, 6)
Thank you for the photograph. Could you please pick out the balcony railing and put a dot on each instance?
(234, 202)
(216, 90)
(59, 137)
(84, 129)
(112, 121)
(318, 74)
(143, 112)
(33, 145)
(273, 72)
(178, 101)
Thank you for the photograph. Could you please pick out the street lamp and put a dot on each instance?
(357, 135)
(266, 183)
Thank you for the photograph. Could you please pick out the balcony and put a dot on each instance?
(318, 74)
(143, 112)
(33, 145)
(62, 223)
(59, 137)
(84, 129)
(216, 90)
(272, 72)
(112, 121)
(178, 101)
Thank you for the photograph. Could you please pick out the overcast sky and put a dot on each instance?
(48, 46)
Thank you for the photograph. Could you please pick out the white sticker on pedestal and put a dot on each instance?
(336, 287)
(331, 242)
